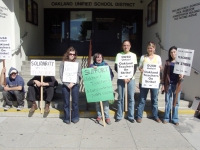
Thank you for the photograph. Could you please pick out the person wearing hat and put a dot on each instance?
(14, 90)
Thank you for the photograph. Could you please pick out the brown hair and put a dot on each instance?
(96, 55)
(124, 42)
(66, 54)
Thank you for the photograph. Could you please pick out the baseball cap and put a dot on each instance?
(13, 71)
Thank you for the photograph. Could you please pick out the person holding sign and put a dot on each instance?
(98, 61)
(2, 79)
(126, 66)
(14, 90)
(70, 75)
(153, 65)
(49, 84)
(169, 84)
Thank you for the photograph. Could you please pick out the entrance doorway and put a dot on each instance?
(107, 29)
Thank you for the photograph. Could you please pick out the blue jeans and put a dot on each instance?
(106, 109)
(142, 101)
(169, 99)
(131, 101)
(75, 98)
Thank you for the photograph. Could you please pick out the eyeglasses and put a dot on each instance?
(72, 54)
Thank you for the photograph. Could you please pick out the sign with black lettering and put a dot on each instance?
(42, 67)
(5, 50)
(98, 84)
(151, 76)
(184, 58)
(70, 72)
(125, 66)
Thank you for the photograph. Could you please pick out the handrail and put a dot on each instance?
(90, 53)
(162, 48)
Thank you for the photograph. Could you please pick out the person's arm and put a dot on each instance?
(16, 88)
(2, 76)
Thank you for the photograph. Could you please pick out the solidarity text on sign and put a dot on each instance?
(70, 72)
(98, 84)
(184, 58)
(43, 67)
(5, 50)
(151, 76)
(125, 67)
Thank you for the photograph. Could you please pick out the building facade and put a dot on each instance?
(48, 27)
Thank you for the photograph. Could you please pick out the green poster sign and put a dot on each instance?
(98, 84)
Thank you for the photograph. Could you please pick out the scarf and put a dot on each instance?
(101, 64)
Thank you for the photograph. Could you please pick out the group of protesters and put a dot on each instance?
(13, 87)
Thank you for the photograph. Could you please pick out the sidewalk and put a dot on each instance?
(28, 133)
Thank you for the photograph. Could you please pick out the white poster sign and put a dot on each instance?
(43, 67)
(125, 66)
(151, 76)
(5, 47)
(70, 72)
(184, 58)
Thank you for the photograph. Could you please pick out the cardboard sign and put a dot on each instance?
(70, 72)
(5, 47)
(151, 76)
(43, 67)
(184, 58)
(98, 84)
(125, 66)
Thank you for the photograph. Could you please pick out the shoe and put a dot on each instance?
(75, 121)
(165, 122)
(98, 119)
(108, 121)
(131, 120)
(46, 109)
(176, 124)
(139, 120)
(7, 107)
(67, 122)
(20, 108)
(158, 120)
(33, 108)
(117, 120)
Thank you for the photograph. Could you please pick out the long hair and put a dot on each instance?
(96, 55)
(169, 56)
(66, 54)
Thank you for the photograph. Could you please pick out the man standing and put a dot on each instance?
(49, 83)
(14, 90)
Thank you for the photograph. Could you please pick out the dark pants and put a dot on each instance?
(75, 98)
(34, 93)
(16, 95)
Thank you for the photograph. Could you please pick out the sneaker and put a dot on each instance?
(108, 121)
(20, 108)
(7, 107)
(165, 122)
(176, 124)
(98, 119)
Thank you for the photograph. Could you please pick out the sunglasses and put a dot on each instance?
(72, 54)
(13, 73)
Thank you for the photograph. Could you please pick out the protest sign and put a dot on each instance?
(98, 84)
(184, 58)
(5, 47)
(43, 67)
(151, 76)
(70, 72)
(125, 66)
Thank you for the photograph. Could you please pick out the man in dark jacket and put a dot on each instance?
(14, 90)
(49, 83)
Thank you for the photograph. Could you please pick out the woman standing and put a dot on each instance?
(70, 56)
(150, 58)
(169, 83)
(126, 46)
(98, 61)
